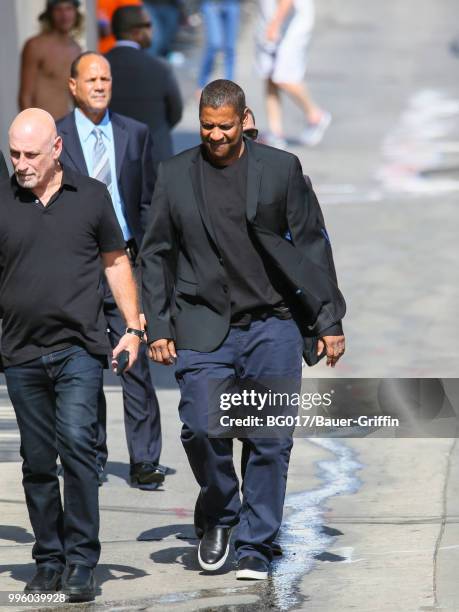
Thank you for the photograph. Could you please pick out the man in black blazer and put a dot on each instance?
(118, 151)
(144, 87)
(238, 283)
(3, 167)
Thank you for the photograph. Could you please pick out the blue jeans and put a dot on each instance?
(165, 20)
(266, 349)
(55, 401)
(221, 20)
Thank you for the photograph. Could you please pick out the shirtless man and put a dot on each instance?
(46, 59)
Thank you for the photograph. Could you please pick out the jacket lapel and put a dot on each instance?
(120, 136)
(72, 144)
(197, 180)
(255, 170)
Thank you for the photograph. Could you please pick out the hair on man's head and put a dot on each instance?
(125, 18)
(74, 65)
(223, 93)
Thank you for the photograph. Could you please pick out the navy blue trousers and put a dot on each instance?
(142, 420)
(271, 348)
(55, 399)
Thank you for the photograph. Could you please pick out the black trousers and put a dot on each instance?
(142, 419)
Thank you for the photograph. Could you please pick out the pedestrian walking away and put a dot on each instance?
(228, 297)
(57, 227)
(117, 150)
(221, 26)
(282, 39)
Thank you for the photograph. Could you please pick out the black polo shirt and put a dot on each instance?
(50, 267)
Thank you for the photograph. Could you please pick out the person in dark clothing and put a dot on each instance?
(56, 229)
(227, 296)
(89, 134)
(144, 87)
(3, 167)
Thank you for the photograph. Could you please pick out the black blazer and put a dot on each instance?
(145, 88)
(185, 288)
(3, 167)
(134, 165)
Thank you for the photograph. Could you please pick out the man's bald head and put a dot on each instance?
(33, 123)
(34, 147)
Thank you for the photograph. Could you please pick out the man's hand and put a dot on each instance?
(334, 346)
(130, 343)
(163, 351)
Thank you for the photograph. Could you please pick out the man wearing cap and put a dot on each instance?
(46, 59)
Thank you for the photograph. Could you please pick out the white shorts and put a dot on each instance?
(286, 60)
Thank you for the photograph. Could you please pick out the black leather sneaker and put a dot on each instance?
(251, 568)
(46, 580)
(79, 583)
(214, 548)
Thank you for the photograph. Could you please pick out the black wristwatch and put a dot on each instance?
(135, 332)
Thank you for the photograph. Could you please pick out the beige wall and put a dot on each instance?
(18, 21)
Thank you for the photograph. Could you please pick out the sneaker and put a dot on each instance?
(214, 548)
(274, 141)
(314, 133)
(251, 568)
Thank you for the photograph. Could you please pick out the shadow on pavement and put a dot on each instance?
(21, 573)
(16, 534)
(103, 573)
(180, 531)
(188, 557)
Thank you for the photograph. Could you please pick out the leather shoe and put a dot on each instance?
(79, 583)
(251, 568)
(214, 548)
(46, 580)
(146, 472)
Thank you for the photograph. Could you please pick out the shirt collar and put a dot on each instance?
(128, 43)
(68, 182)
(85, 126)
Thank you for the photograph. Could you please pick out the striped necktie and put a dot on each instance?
(100, 161)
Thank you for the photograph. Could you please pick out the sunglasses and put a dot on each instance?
(251, 133)
(145, 24)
